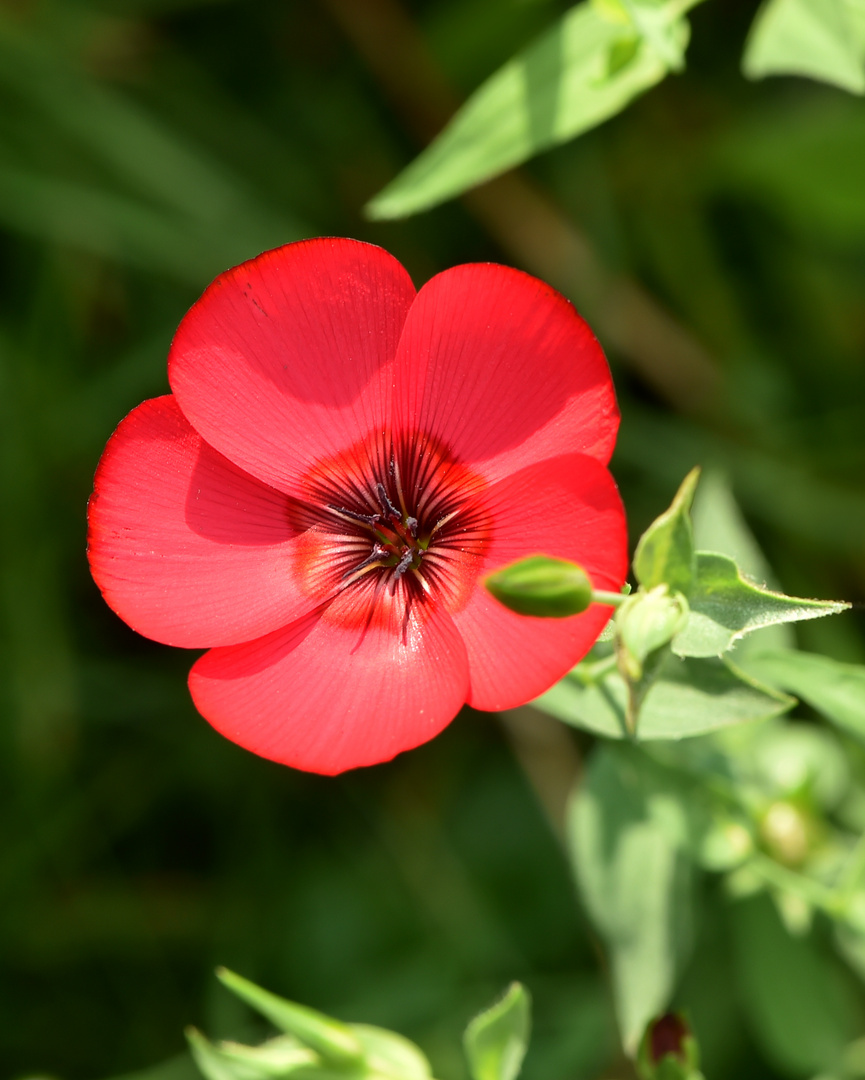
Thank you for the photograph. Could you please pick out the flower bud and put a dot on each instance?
(647, 621)
(788, 832)
(542, 586)
(668, 1050)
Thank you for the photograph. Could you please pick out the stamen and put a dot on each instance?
(388, 508)
(373, 560)
(404, 563)
(397, 482)
(444, 520)
(370, 520)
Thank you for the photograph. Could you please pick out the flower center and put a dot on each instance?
(392, 516)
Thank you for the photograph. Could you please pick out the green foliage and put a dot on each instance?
(627, 828)
(797, 1002)
(497, 1039)
(724, 607)
(147, 144)
(541, 586)
(834, 689)
(334, 1042)
(147, 198)
(720, 527)
(687, 697)
(316, 1047)
(665, 551)
(582, 71)
(823, 39)
(651, 695)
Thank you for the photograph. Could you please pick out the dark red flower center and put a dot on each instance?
(392, 517)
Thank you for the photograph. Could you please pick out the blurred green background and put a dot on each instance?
(714, 234)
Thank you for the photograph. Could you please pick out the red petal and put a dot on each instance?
(502, 369)
(326, 695)
(184, 546)
(286, 359)
(566, 507)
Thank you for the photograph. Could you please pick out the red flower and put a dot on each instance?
(339, 463)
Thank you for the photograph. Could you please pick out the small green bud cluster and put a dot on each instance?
(646, 622)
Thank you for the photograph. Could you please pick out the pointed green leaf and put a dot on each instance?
(720, 526)
(665, 552)
(541, 586)
(725, 607)
(275, 1058)
(335, 1041)
(688, 697)
(834, 689)
(560, 86)
(815, 38)
(626, 836)
(213, 1064)
(497, 1039)
(387, 1054)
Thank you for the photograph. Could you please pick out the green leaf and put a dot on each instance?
(496, 1040)
(665, 552)
(688, 697)
(335, 1041)
(233, 1061)
(561, 85)
(655, 26)
(725, 607)
(798, 1004)
(626, 835)
(815, 38)
(541, 586)
(213, 1064)
(834, 689)
(387, 1054)
(719, 526)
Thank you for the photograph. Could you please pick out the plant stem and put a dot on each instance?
(602, 596)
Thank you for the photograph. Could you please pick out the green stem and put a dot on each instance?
(602, 596)
(814, 892)
(594, 670)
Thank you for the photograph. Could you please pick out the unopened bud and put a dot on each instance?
(788, 832)
(668, 1050)
(647, 621)
(542, 586)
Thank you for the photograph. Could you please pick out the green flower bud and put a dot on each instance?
(542, 586)
(788, 832)
(645, 622)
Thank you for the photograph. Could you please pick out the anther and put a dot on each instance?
(373, 559)
(404, 563)
(388, 508)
